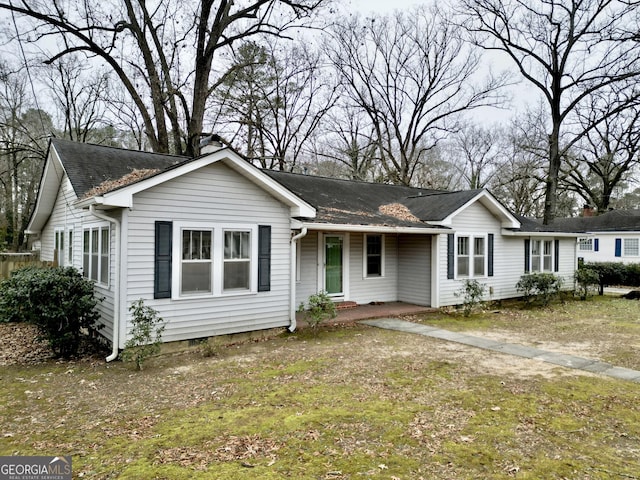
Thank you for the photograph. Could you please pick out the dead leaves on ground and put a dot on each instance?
(247, 449)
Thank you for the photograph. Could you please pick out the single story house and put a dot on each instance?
(218, 246)
(613, 236)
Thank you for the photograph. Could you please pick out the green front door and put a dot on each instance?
(333, 265)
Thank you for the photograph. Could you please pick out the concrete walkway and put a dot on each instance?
(561, 359)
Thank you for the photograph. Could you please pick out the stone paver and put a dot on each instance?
(555, 358)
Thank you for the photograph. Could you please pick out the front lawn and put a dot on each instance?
(352, 402)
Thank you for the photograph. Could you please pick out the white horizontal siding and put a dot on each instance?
(607, 248)
(373, 289)
(508, 257)
(414, 265)
(65, 216)
(307, 283)
(215, 195)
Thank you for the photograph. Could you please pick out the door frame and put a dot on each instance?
(322, 282)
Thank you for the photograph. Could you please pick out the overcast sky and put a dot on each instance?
(381, 6)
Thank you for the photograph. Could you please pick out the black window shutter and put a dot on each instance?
(264, 258)
(618, 247)
(527, 255)
(162, 267)
(490, 255)
(596, 245)
(556, 255)
(450, 255)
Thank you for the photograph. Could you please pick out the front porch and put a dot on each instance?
(349, 312)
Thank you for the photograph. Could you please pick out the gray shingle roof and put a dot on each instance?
(613, 221)
(88, 165)
(359, 203)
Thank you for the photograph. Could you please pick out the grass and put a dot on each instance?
(351, 402)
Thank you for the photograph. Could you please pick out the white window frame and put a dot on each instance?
(59, 243)
(69, 249)
(541, 256)
(585, 244)
(226, 260)
(365, 256)
(628, 250)
(90, 274)
(217, 259)
(196, 261)
(471, 255)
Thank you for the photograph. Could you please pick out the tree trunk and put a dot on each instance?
(555, 159)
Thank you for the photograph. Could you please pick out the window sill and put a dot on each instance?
(212, 296)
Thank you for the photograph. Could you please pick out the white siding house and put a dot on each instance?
(613, 236)
(609, 247)
(218, 246)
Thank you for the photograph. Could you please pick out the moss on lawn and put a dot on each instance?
(348, 404)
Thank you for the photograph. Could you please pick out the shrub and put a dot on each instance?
(471, 293)
(319, 308)
(146, 334)
(615, 273)
(587, 280)
(539, 286)
(59, 301)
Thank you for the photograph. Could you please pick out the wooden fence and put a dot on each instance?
(13, 261)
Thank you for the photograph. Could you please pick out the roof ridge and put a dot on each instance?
(347, 180)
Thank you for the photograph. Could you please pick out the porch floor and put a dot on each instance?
(347, 312)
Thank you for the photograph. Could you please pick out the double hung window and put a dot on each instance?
(471, 256)
(586, 244)
(631, 247)
(214, 259)
(541, 255)
(196, 272)
(237, 260)
(95, 253)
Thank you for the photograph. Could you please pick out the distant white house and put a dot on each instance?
(219, 246)
(613, 236)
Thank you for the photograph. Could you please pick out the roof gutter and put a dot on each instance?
(337, 227)
(511, 233)
(116, 283)
(292, 277)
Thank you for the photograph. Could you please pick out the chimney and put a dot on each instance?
(588, 211)
(210, 143)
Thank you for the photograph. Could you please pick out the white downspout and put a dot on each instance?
(116, 283)
(292, 276)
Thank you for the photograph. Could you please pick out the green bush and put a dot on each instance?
(471, 293)
(146, 334)
(587, 280)
(539, 286)
(59, 301)
(615, 273)
(319, 308)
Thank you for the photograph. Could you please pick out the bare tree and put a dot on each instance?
(567, 50)
(349, 140)
(277, 96)
(24, 132)
(606, 156)
(437, 172)
(79, 97)
(477, 152)
(162, 53)
(413, 75)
